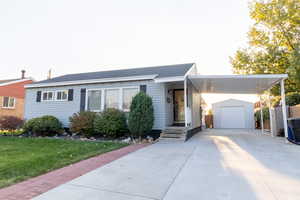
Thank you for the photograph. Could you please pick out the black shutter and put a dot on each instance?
(82, 99)
(70, 94)
(143, 88)
(38, 96)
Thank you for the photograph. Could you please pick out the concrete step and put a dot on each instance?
(172, 139)
(172, 135)
(173, 131)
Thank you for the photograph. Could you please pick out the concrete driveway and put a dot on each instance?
(213, 165)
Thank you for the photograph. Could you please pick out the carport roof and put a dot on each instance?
(235, 84)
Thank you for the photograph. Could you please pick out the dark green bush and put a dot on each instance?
(141, 115)
(43, 126)
(83, 123)
(111, 123)
(10, 122)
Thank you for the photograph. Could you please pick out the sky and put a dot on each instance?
(73, 36)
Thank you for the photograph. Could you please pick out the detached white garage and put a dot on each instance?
(233, 113)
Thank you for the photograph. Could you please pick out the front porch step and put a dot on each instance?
(173, 133)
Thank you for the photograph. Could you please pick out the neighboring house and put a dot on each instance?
(12, 93)
(233, 113)
(176, 101)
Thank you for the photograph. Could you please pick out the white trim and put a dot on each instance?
(122, 102)
(185, 103)
(9, 107)
(53, 96)
(261, 114)
(283, 106)
(169, 79)
(188, 72)
(117, 89)
(101, 101)
(255, 76)
(16, 81)
(103, 93)
(103, 80)
(61, 91)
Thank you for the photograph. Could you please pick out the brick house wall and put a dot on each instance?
(17, 91)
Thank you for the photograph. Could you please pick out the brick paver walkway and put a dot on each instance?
(40, 184)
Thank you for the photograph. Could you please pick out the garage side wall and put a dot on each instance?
(248, 112)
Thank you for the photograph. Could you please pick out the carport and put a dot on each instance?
(241, 84)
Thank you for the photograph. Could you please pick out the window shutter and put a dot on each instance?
(143, 88)
(82, 99)
(38, 96)
(70, 94)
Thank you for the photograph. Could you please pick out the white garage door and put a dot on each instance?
(233, 117)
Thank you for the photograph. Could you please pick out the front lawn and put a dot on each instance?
(22, 158)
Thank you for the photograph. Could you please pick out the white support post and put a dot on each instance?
(270, 114)
(283, 106)
(185, 102)
(261, 115)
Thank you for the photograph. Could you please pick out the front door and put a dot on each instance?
(178, 106)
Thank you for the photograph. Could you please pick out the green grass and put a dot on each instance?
(22, 158)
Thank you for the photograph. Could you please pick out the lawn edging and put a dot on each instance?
(41, 184)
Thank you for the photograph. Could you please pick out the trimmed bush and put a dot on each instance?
(10, 122)
(83, 123)
(141, 115)
(43, 126)
(111, 123)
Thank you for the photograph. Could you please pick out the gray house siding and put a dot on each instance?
(64, 109)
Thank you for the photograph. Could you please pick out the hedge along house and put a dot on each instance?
(175, 91)
(176, 101)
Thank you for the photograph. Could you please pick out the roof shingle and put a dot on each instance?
(161, 71)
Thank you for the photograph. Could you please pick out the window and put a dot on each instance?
(112, 98)
(48, 96)
(8, 102)
(62, 95)
(94, 100)
(128, 94)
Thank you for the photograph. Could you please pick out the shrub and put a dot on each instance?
(83, 123)
(10, 122)
(266, 114)
(141, 116)
(43, 126)
(291, 98)
(111, 122)
(15, 132)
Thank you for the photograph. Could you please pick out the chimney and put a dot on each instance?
(23, 74)
(49, 74)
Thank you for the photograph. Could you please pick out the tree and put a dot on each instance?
(141, 115)
(274, 42)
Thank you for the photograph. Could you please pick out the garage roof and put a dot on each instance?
(235, 84)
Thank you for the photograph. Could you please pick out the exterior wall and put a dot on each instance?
(248, 107)
(17, 111)
(64, 109)
(17, 91)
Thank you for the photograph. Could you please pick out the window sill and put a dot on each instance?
(8, 108)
